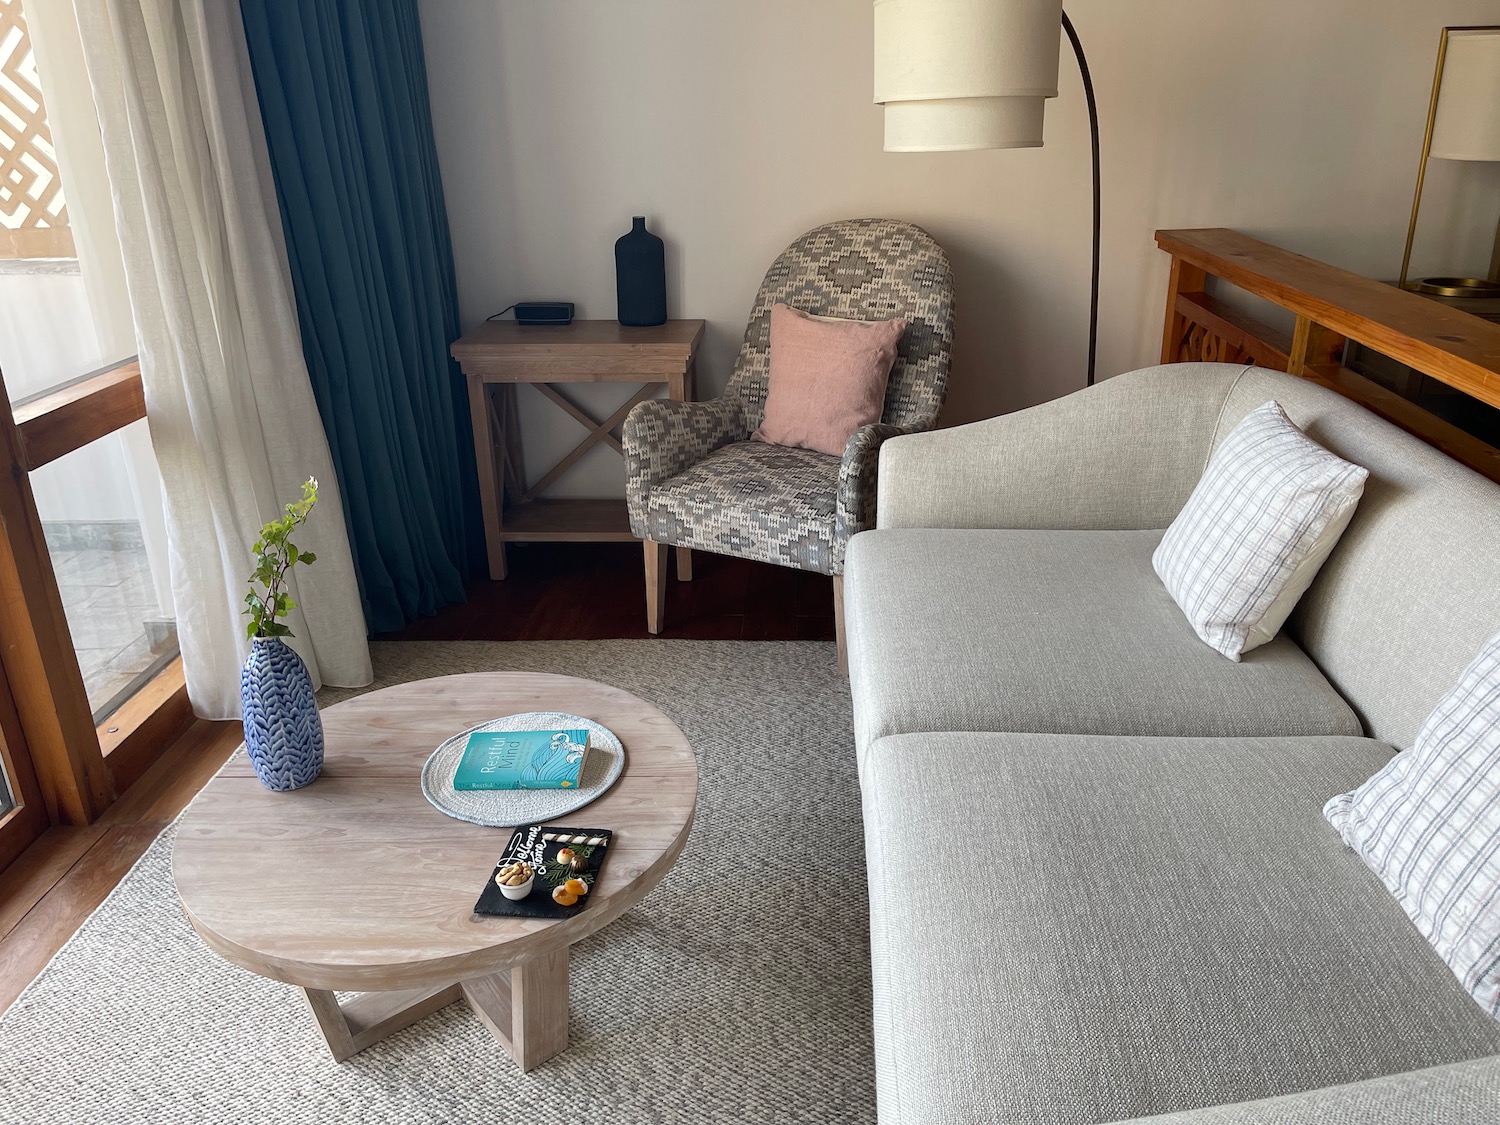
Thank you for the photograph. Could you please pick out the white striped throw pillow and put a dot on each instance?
(1429, 825)
(1264, 517)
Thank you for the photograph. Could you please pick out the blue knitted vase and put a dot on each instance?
(283, 733)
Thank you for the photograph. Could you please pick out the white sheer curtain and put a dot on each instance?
(231, 409)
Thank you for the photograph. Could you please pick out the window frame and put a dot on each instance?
(61, 762)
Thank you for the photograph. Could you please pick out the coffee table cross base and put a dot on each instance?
(525, 1007)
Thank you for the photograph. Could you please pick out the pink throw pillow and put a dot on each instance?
(827, 378)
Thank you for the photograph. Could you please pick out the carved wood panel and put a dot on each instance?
(1201, 343)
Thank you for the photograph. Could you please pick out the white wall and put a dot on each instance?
(737, 125)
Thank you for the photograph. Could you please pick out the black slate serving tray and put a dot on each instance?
(538, 845)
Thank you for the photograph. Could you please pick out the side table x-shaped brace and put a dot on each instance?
(498, 355)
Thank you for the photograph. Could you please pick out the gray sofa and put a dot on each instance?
(1101, 885)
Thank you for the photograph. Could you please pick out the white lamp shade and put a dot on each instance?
(1467, 126)
(965, 74)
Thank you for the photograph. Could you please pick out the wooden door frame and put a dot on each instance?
(29, 818)
(76, 769)
(40, 662)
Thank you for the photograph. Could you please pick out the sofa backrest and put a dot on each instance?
(1413, 589)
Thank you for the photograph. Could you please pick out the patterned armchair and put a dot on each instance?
(695, 481)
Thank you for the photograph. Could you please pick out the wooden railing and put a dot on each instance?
(67, 418)
(1331, 306)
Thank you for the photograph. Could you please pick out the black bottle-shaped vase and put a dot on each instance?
(641, 277)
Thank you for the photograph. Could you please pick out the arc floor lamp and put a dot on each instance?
(970, 74)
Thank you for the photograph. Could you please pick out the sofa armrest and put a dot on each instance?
(857, 475)
(1122, 455)
(1457, 1094)
(662, 438)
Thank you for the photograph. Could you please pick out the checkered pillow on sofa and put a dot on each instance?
(1265, 516)
(1429, 825)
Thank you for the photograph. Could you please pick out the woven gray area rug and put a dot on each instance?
(739, 994)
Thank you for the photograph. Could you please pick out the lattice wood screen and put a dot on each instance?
(33, 214)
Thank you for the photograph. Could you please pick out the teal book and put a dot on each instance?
(523, 759)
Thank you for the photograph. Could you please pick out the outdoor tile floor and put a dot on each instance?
(108, 596)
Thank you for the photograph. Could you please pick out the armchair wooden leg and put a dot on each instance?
(838, 623)
(656, 585)
(684, 564)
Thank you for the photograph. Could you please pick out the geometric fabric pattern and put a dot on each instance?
(753, 500)
(688, 482)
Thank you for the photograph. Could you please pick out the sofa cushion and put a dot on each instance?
(1457, 1094)
(756, 501)
(1073, 929)
(1053, 632)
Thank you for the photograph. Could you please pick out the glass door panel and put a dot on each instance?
(101, 513)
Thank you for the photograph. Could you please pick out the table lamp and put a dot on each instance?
(1463, 123)
(969, 74)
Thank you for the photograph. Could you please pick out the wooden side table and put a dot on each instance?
(499, 354)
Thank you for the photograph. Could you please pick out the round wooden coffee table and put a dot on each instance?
(355, 883)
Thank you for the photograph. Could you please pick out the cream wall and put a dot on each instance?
(734, 126)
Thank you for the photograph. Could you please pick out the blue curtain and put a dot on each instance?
(343, 91)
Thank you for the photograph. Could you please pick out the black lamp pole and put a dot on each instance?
(1088, 92)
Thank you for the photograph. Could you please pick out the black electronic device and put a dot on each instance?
(544, 312)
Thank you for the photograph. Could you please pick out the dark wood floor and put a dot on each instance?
(597, 591)
(590, 591)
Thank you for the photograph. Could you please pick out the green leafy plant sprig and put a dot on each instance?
(275, 554)
(555, 874)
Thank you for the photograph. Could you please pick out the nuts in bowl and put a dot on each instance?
(515, 879)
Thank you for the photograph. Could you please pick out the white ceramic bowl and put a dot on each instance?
(521, 890)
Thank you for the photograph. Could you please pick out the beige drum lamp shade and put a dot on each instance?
(965, 74)
(1467, 125)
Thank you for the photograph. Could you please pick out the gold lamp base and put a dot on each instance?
(1457, 287)
(1488, 287)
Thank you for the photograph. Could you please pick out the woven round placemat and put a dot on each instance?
(506, 808)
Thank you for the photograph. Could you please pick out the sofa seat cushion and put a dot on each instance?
(1070, 929)
(1053, 632)
(755, 501)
